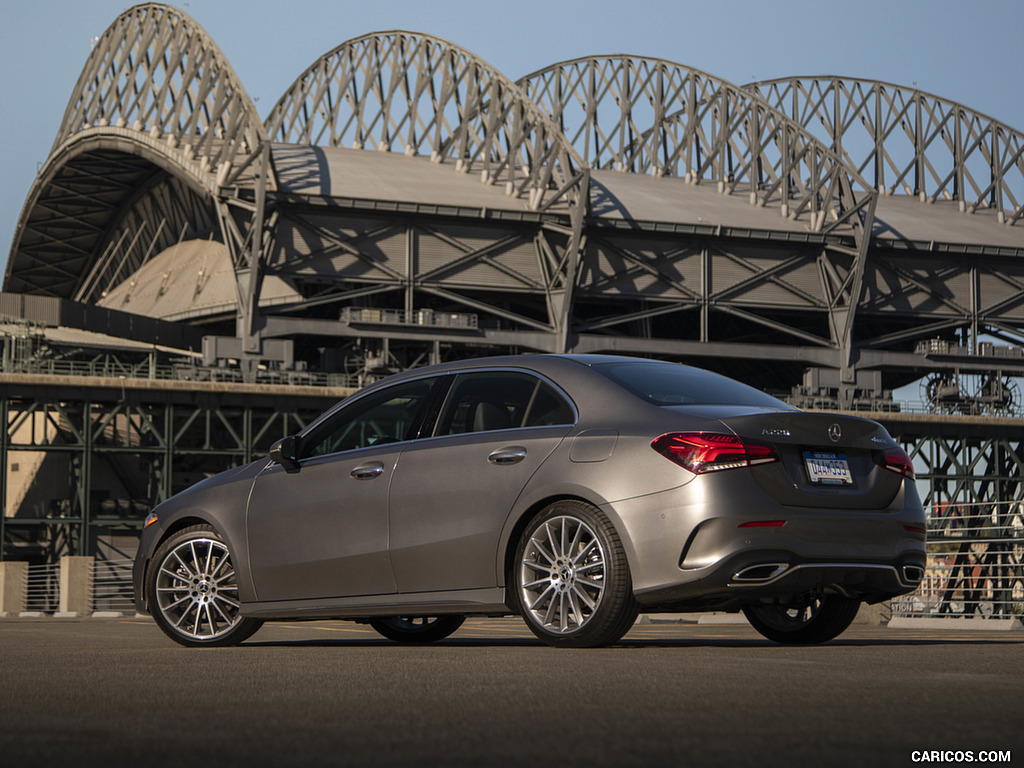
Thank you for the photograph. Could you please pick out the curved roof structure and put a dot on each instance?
(616, 203)
(156, 99)
(910, 142)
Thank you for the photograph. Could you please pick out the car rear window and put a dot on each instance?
(671, 384)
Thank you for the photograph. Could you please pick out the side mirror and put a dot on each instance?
(286, 452)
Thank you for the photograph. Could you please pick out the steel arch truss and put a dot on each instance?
(656, 117)
(651, 116)
(157, 105)
(158, 215)
(419, 95)
(400, 91)
(157, 71)
(910, 141)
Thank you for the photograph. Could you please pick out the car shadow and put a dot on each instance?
(634, 644)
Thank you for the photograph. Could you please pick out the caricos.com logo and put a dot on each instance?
(960, 756)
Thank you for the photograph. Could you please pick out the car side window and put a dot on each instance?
(387, 416)
(491, 400)
(547, 408)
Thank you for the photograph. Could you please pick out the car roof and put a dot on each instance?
(539, 362)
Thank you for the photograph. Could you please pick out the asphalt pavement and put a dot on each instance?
(113, 692)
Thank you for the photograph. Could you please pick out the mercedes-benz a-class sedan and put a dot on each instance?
(574, 491)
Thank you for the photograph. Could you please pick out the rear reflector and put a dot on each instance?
(711, 452)
(763, 524)
(896, 460)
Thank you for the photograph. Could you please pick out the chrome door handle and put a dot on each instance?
(367, 471)
(510, 455)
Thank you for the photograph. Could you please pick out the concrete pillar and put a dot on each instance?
(75, 585)
(13, 587)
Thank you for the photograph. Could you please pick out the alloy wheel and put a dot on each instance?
(196, 590)
(562, 574)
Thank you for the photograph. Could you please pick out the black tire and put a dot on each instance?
(571, 579)
(417, 629)
(192, 592)
(804, 621)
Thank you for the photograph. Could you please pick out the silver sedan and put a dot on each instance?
(574, 491)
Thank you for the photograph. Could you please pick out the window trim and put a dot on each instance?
(539, 377)
(438, 387)
(432, 418)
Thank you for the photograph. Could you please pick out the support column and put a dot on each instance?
(13, 587)
(75, 585)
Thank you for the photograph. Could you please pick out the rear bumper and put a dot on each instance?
(692, 545)
(756, 575)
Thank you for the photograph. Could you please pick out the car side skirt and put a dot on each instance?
(470, 602)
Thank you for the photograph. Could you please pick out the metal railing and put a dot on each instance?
(428, 317)
(975, 563)
(116, 370)
(965, 407)
(112, 586)
(42, 589)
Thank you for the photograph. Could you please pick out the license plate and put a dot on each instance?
(828, 468)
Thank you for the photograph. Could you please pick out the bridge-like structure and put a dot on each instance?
(828, 239)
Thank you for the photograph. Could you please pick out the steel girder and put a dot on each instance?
(103, 453)
(912, 296)
(657, 117)
(412, 263)
(420, 95)
(160, 131)
(909, 140)
(156, 96)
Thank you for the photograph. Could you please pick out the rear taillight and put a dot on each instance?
(710, 452)
(895, 459)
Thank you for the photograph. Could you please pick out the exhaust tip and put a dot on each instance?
(913, 574)
(760, 572)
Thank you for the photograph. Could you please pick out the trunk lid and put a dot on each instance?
(826, 460)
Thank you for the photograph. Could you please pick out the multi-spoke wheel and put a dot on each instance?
(417, 629)
(193, 593)
(806, 619)
(571, 579)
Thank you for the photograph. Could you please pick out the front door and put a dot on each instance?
(321, 530)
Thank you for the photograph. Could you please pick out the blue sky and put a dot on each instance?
(969, 52)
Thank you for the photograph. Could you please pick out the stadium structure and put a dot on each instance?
(189, 281)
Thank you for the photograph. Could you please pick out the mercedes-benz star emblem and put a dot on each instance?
(834, 433)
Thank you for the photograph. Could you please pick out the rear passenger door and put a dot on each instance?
(452, 492)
